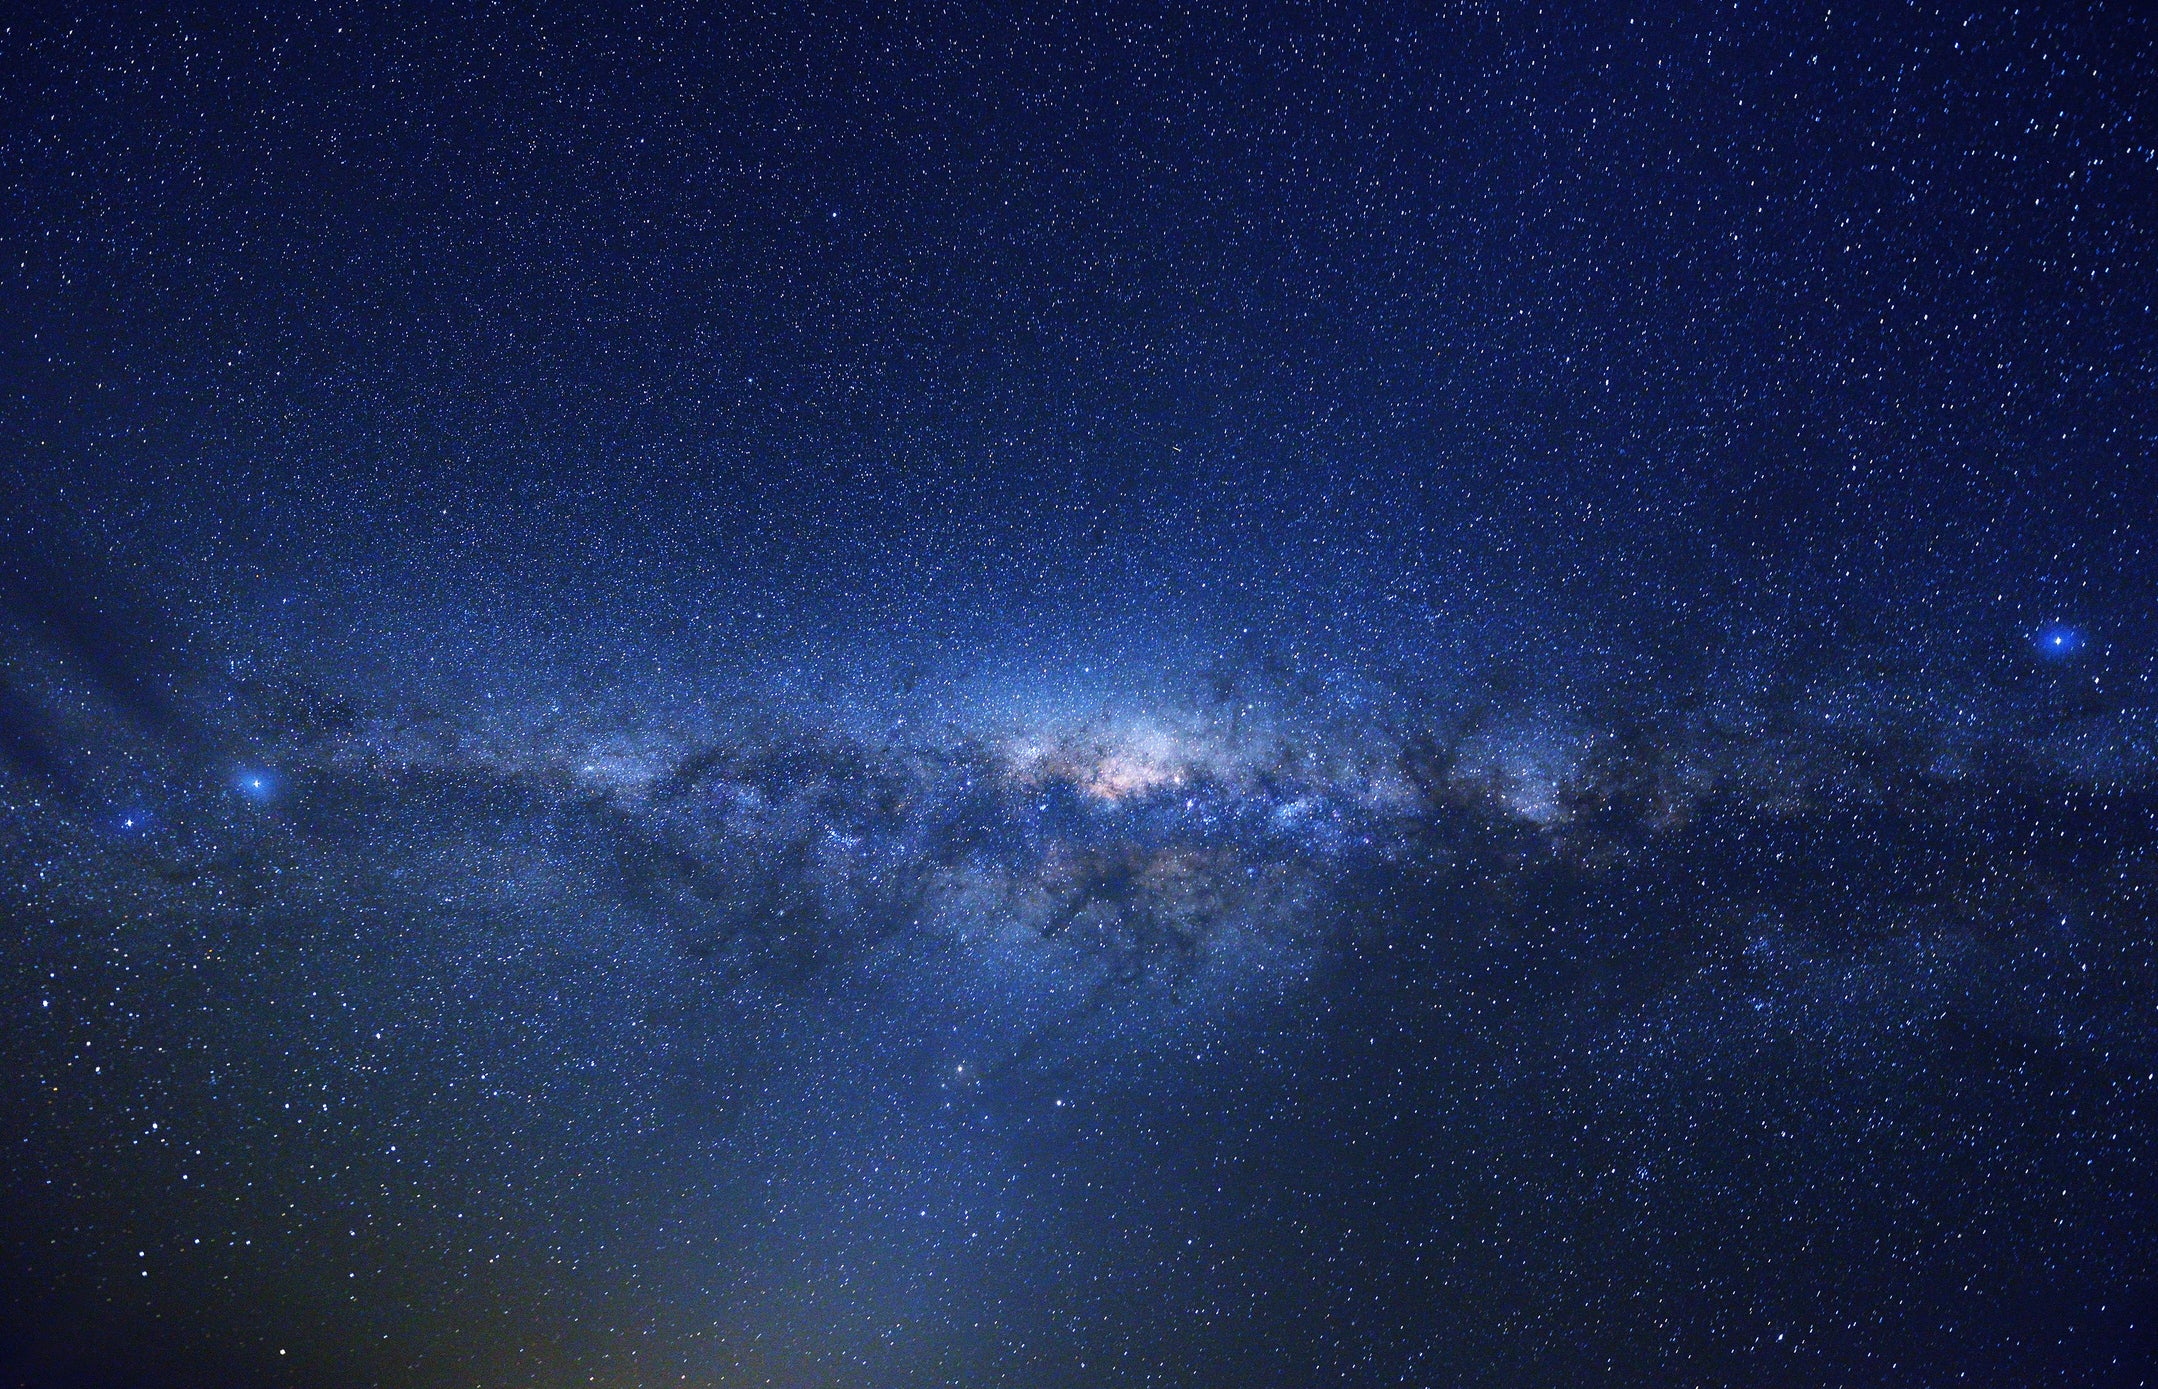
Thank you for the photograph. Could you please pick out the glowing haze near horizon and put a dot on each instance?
(1079, 698)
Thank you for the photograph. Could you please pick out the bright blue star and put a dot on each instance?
(2057, 641)
(258, 786)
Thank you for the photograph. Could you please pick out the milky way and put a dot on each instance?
(797, 1052)
(952, 697)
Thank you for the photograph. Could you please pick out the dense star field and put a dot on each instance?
(963, 696)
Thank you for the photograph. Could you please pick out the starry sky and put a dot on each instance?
(1064, 696)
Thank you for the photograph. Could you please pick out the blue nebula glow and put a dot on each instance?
(255, 784)
(2057, 641)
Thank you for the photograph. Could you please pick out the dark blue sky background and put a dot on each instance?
(1032, 320)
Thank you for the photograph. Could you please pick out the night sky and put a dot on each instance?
(855, 696)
